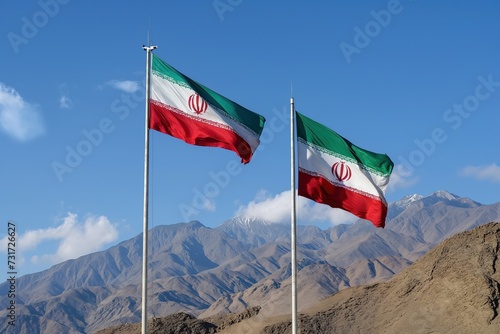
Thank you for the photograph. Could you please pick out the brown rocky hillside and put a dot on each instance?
(455, 288)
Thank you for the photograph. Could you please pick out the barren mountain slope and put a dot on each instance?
(455, 288)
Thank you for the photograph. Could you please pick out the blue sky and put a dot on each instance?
(418, 80)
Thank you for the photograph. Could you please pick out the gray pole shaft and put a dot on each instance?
(144, 320)
(293, 219)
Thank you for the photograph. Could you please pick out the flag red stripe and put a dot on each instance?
(196, 132)
(323, 191)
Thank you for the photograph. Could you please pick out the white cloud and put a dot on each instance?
(399, 179)
(127, 86)
(489, 173)
(19, 119)
(64, 101)
(74, 238)
(277, 209)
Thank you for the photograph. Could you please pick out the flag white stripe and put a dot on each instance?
(320, 162)
(168, 93)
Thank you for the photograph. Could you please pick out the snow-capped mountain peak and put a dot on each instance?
(247, 222)
(445, 194)
(407, 200)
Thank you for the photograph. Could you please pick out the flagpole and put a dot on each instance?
(144, 320)
(293, 218)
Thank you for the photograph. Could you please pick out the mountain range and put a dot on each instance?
(454, 288)
(239, 264)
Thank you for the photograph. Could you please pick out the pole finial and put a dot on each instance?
(149, 48)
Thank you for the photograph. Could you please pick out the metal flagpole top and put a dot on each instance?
(149, 48)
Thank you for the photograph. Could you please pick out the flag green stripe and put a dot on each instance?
(253, 121)
(328, 141)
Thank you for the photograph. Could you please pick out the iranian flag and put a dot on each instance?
(336, 172)
(185, 109)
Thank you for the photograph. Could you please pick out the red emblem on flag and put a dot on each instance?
(341, 171)
(197, 104)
